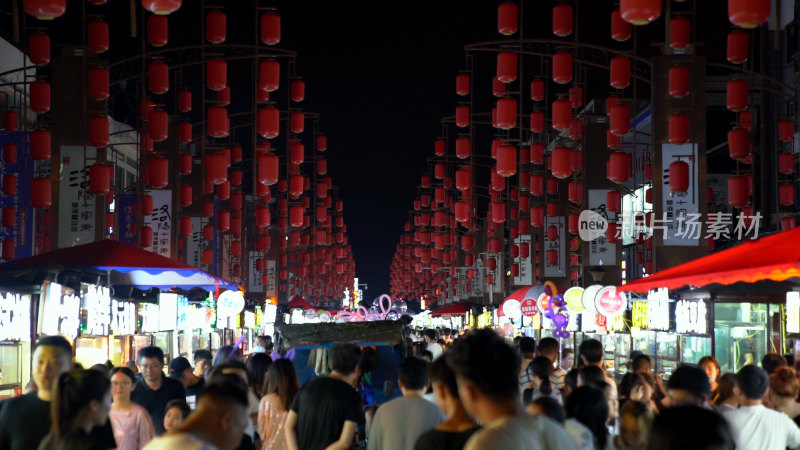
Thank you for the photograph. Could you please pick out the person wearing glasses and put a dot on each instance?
(154, 390)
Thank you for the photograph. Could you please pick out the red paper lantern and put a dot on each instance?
(619, 167)
(576, 128)
(157, 31)
(8, 249)
(498, 212)
(506, 113)
(537, 153)
(537, 121)
(620, 29)
(161, 7)
(562, 115)
(679, 81)
(100, 178)
(507, 160)
(297, 122)
(185, 132)
(269, 78)
(158, 172)
(738, 191)
(786, 194)
(268, 125)
(40, 96)
(463, 182)
(216, 169)
(562, 19)
(680, 29)
(613, 201)
(620, 74)
(218, 123)
(640, 12)
(561, 162)
(224, 96)
(620, 119)
(185, 227)
(537, 216)
(552, 257)
(507, 18)
(158, 124)
(41, 193)
(748, 13)
(678, 129)
(45, 9)
(786, 163)
(40, 146)
(10, 120)
(216, 74)
(738, 144)
(10, 153)
(98, 131)
(158, 74)
(223, 221)
(612, 140)
(507, 67)
(536, 184)
(185, 195)
(575, 192)
(270, 28)
(462, 84)
(537, 90)
(296, 153)
(216, 27)
(39, 48)
(97, 31)
(296, 186)
(785, 131)
(9, 217)
(298, 90)
(562, 67)
(613, 233)
(738, 44)
(462, 116)
(736, 95)
(98, 84)
(679, 176)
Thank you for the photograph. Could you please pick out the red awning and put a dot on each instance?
(454, 309)
(298, 302)
(775, 257)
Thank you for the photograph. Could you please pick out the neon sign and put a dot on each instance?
(60, 312)
(691, 317)
(15, 317)
(97, 302)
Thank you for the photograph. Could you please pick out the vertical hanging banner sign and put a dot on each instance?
(76, 207)
(161, 222)
(680, 209)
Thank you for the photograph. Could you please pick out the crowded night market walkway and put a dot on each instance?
(570, 224)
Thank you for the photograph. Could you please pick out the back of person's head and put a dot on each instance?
(102, 368)
(426, 355)
(591, 376)
(753, 381)
(784, 383)
(257, 367)
(588, 406)
(202, 354)
(441, 373)
(224, 388)
(725, 387)
(74, 392)
(571, 380)
(550, 408)
(237, 368)
(541, 367)
(227, 353)
(430, 334)
(150, 352)
(548, 347)
(640, 362)
(527, 345)
(690, 379)
(631, 381)
(486, 360)
(58, 342)
(413, 373)
(639, 411)
(125, 371)
(689, 427)
(345, 358)
(282, 381)
(591, 350)
(772, 361)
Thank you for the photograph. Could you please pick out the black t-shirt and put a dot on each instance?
(195, 389)
(24, 422)
(156, 401)
(444, 440)
(323, 405)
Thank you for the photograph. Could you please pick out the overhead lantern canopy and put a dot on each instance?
(749, 13)
(45, 9)
(216, 27)
(270, 28)
(640, 12)
(157, 31)
(161, 7)
(507, 18)
(562, 19)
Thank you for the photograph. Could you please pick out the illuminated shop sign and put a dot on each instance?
(15, 317)
(123, 317)
(691, 317)
(793, 312)
(60, 311)
(97, 303)
(168, 311)
(149, 315)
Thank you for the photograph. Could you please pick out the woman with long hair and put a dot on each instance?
(81, 401)
(587, 411)
(783, 389)
(132, 425)
(257, 366)
(711, 367)
(540, 370)
(281, 385)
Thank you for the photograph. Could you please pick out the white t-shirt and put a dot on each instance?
(398, 423)
(759, 428)
(435, 349)
(523, 432)
(184, 441)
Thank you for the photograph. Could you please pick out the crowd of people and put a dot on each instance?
(476, 391)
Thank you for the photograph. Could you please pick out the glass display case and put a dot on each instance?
(666, 359)
(622, 352)
(694, 347)
(91, 350)
(14, 368)
(741, 335)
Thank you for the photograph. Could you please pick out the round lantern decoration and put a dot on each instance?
(678, 129)
(620, 119)
(614, 201)
(748, 13)
(158, 74)
(506, 113)
(216, 74)
(40, 96)
(640, 12)
(562, 67)
(10, 153)
(268, 169)
(269, 75)
(507, 160)
(620, 29)
(185, 132)
(218, 122)
(619, 167)
(737, 48)
(97, 31)
(100, 178)
(10, 120)
(268, 125)
(562, 19)
(161, 7)
(216, 27)
(98, 131)
(537, 90)
(537, 122)
(462, 116)
(785, 131)
(786, 194)
(39, 48)
(620, 74)
(216, 168)
(679, 33)
(98, 84)
(678, 81)
(270, 28)
(507, 18)
(507, 67)
(158, 123)
(40, 146)
(738, 144)
(158, 172)
(738, 191)
(157, 31)
(562, 115)
(786, 163)
(185, 227)
(736, 95)
(41, 193)
(561, 162)
(45, 9)
(679, 176)
(298, 90)
(462, 84)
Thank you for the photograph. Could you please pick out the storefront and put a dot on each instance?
(123, 329)
(93, 346)
(745, 332)
(651, 333)
(15, 343)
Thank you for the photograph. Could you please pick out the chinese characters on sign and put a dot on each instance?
(161, 222)
(149, 315)
(658, 309)
(60, 312)
(691, 317)
(558, 269)
(123, 317)
(76, 204)
(525, 276)
(97, 302)
(15, 317)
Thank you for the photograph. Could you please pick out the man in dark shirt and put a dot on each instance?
(327, 410)
(154, 390)
(25, 420)
(181, 370)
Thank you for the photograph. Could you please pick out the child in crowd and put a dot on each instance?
(175, 413)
